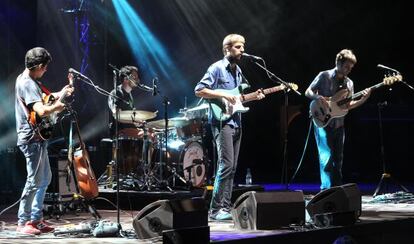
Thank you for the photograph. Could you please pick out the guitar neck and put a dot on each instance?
(253, 95)
(358, 94)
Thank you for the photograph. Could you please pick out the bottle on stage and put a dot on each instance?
(248, 177)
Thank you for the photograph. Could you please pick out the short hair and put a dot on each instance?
(230, 39)
(127, 71)
(37, 56)
(344, 55)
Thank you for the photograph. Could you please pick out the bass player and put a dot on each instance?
(330, 138)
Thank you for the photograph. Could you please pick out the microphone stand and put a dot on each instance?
(166, 102)
(275, 78)
(104, 92)
(408, 85)
(384, 175)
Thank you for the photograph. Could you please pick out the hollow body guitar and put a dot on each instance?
(336, 106)
(85, 177)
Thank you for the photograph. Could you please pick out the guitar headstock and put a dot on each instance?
(391, 79)
(70, 79)
(292, 85)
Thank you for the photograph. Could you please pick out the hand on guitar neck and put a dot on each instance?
(324, 109)
(43, 115)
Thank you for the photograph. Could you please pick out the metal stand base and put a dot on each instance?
(387, 177)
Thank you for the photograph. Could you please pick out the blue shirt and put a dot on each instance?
(327, 84)
(219, 76)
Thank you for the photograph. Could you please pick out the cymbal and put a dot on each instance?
(172, 122)
(199, 107)
(135, 116)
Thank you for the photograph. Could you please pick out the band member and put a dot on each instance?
(330, 139)
(224, 74)
(28, 93)
(129, 80)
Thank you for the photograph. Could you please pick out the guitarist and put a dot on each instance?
(224, 74)
(330, 139)
(28, 92)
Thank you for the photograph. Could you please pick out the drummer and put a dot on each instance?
(129, 79)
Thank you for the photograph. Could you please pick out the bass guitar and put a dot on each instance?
(336, 106)
(223, 110)
(44, 125)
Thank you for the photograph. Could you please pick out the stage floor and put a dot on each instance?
(387, 213)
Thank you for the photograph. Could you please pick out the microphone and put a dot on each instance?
(144, 87)
(78, 74)
(154, 86)
(251, 56)
(387, 68)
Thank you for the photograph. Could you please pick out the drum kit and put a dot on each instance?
(152, 155)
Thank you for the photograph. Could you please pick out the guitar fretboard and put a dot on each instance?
(253, 95)
(358, 94)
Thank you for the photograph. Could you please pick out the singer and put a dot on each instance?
(29, 100)
(224, 74)
(330, 139)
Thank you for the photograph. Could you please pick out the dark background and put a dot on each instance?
(296, 38)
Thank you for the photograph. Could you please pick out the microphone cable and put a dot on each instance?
(303, 153)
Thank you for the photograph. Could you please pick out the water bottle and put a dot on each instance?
(248, 177)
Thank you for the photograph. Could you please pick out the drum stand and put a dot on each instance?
(150, 181)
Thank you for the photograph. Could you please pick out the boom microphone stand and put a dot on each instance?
(385, 176)
(276, 79)
(165, 102)
(102, 91)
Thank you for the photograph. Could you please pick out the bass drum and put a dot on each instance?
(188, 160)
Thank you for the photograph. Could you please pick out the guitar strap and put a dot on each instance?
(244, 79)
(43, 88)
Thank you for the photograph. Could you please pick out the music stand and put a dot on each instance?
(385, 176)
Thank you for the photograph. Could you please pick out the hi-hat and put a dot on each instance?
(172, 122)
(135, 116)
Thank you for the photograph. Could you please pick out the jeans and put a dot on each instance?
(38, 178)
(228, 141)
(330, 142)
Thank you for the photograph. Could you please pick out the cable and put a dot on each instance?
(303, 153)
(32, 187)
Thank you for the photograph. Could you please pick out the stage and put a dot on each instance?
(389, 218)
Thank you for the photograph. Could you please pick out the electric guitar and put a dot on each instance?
(336, 106)
(223, 110)
(44, 125)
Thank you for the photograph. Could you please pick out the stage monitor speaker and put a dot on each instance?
(268, 210)
(342, 198)
(336, 203)
(164, 215)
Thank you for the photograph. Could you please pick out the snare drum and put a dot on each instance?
(192, 129)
